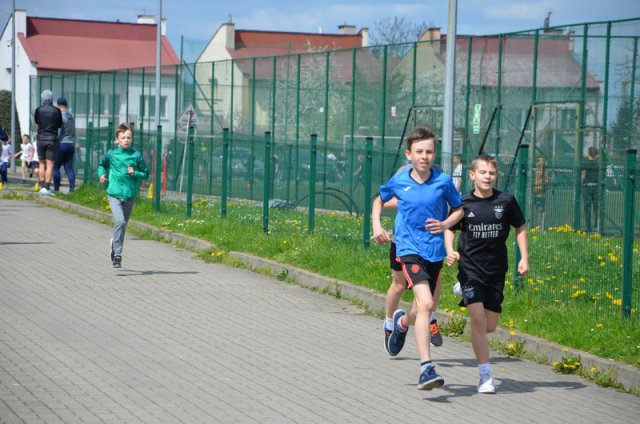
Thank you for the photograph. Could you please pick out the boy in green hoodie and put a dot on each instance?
(123, 169)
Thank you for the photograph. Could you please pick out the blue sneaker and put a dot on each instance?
(429, 379)
(395, 343)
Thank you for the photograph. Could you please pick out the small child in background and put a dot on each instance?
(123, 169)
(26, 153)
(5, 159)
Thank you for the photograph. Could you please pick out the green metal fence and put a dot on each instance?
(558, 90)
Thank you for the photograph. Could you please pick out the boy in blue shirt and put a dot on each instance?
(424, 195)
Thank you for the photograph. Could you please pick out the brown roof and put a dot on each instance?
(556, 65)
(251, 43)
(76, 45)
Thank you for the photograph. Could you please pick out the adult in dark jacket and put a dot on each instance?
(49, 120)
(66, 147)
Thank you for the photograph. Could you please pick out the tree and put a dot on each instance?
(5, 114)
(392, 30)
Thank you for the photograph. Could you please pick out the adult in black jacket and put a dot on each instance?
(49, 120)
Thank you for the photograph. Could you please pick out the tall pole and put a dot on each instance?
(158, 61)
(13, 85)
(449, 86)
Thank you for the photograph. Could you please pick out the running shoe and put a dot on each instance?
(429, 379)
(397, 337)
(117, 261)
(457, 289)
(387, 334)
(486, 384)
(436, 337)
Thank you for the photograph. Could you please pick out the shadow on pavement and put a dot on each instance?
(504, 386)
(131, 272)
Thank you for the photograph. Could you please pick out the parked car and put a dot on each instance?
(304, 165)
(239, 159)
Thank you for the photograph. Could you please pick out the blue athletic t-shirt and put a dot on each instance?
(416, 203)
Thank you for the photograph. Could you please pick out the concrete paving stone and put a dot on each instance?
(168, 338)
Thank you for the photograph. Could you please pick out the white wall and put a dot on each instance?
(24, 69)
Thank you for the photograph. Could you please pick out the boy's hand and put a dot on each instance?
(103, 178)
(523, 267)
(380, 236)
(130, 170)
(434, 226)
(451, 258)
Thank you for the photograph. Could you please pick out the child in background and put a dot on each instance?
(123, 169)
(482, 254)
(5, 158)
(26, 153)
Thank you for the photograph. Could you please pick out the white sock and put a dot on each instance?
(388, 323)
(484, 368)
(402, 327)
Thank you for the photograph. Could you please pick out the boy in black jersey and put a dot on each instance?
(482, 254)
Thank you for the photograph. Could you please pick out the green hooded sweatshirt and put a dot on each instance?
(115, 164)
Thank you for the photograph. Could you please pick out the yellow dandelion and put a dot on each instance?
(511, 346)
(565, 349)
(555, 363)
(599, 325)
(513, 333)
(593, 369)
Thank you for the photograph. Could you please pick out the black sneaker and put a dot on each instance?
(436, 337)
(117, 261)
(112, 254)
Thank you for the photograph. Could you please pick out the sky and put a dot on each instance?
(199, 19)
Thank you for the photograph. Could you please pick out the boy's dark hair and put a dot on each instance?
(122, 128)
(421, 133)
(593, 151)
(484, 158)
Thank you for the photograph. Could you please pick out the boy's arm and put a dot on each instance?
(438, 227)
(143, 171)
(103, 166)
(521, 239)
(380, 236)
(452, 254)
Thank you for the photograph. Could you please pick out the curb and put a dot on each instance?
(627, 375)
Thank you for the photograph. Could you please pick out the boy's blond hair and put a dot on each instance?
(484, 158)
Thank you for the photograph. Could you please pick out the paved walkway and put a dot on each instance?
(170, 339)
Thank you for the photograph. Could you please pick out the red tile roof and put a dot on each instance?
(75, 45)
(251, 43)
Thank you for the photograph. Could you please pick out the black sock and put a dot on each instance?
(47, 186)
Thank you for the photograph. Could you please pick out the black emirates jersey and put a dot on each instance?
(484, 229)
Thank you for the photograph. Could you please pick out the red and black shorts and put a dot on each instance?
(418, 270)
(394, 263)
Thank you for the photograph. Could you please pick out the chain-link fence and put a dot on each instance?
(561, 91)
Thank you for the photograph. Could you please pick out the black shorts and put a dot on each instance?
(47, 149)
(418, 270)
(490, 295)
(394, 263)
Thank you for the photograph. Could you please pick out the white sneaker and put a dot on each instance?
(46, 192)
(486, 384)
(457, 289)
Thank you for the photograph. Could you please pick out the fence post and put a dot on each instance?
(366, 219)
(267, 181)
(87, 153)
(158, 168)
(627, 238)
(225, 173)
(312, 181)
(521, 196)
(190, 146)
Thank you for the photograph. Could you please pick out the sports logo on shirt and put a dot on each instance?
(499, 211)
(407, 188)
(471, 215)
